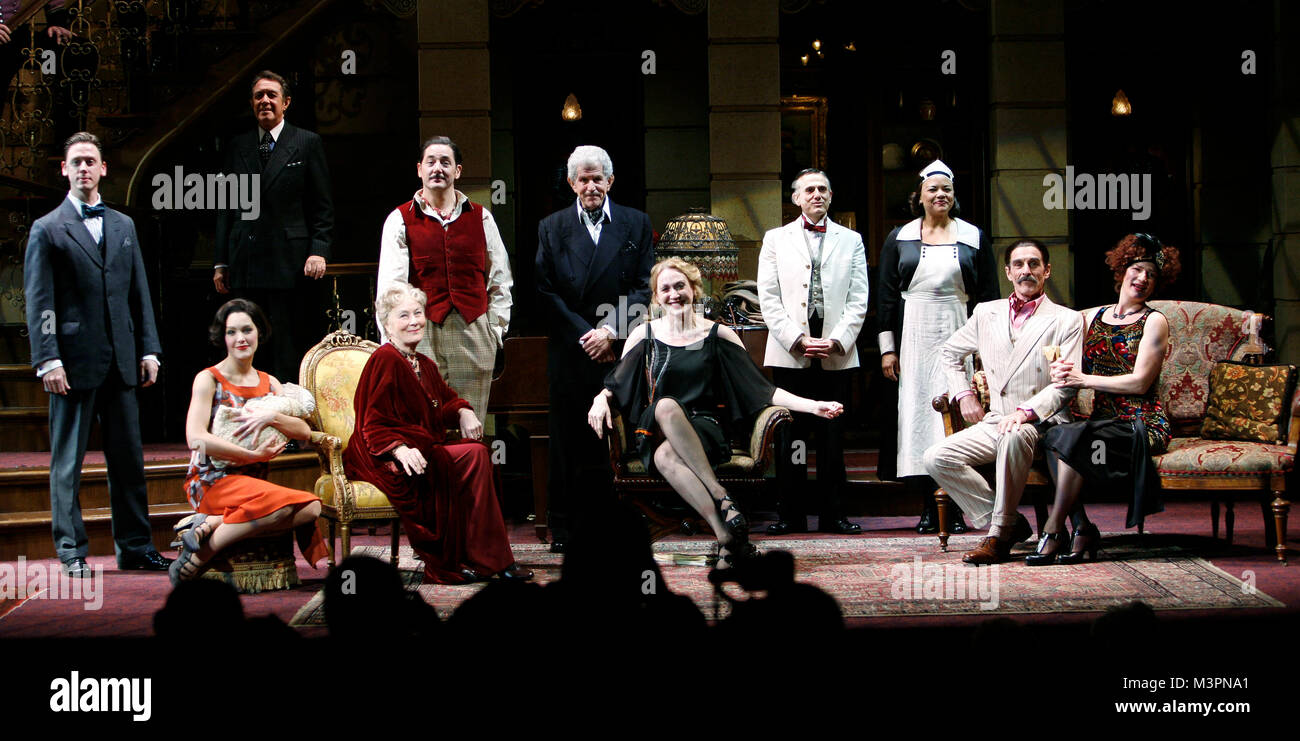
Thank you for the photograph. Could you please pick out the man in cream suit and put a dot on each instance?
(812, 286)
(1014, 337)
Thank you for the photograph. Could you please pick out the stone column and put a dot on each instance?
(1027, 126)
(745, 121)
(455, 95)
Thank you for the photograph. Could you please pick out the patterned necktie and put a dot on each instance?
(264, 149)
(595, 216)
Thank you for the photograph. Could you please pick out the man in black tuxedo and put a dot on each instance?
(93, 339)
(593, 270)
(269, 259)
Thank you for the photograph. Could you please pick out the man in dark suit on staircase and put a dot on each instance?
(590, 255)
(93, 339)
(269, 259)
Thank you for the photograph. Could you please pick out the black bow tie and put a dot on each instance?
(90, 212)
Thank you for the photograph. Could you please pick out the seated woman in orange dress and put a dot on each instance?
(444, 492)
(236, 501)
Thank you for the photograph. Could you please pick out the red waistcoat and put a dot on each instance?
(448, 264)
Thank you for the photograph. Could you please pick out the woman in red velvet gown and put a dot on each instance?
(444, 492)
(236, 501)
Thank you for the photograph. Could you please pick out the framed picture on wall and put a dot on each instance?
(803, 142)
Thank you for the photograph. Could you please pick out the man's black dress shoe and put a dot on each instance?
(840, 526)
(150, 560)
(558, 546)
(77, 568)
(514, 573)
(781, 527)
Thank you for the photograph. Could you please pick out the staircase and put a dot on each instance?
(157, 73)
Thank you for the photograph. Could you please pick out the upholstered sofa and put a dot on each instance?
(1200, 335)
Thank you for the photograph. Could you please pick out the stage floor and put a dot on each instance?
(126, 601)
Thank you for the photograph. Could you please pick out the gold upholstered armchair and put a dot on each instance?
(652, 495)
(330, 371)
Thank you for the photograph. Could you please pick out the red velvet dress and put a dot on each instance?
(450, 513)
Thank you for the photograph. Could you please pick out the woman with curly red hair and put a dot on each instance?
(1123, 352)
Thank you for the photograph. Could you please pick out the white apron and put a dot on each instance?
(934, 307)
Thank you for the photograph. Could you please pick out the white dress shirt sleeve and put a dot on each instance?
(394, 256)
(499, 279)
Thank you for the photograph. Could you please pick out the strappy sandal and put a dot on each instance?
(194, 538)
(177, 572)
(738, 526)
(735, 553)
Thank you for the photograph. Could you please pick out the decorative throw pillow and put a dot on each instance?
(1248, 402)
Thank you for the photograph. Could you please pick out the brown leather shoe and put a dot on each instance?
(993, 550)
(990, 551)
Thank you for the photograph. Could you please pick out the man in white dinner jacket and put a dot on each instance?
(812, 286)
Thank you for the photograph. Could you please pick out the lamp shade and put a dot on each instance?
(704, 240)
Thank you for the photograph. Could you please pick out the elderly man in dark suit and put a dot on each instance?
(593, 271)
(269, 259)
(93, 339)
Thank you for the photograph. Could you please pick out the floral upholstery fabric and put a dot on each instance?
(1193, 456)
(335, 384)
(1201, 335)
(1248, 402)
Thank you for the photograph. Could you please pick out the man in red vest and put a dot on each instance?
(451, 249)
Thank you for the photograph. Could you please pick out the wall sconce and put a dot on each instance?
(804, 60)
(1120, 105)
(571, 110)
(817, 45)
(850, 47)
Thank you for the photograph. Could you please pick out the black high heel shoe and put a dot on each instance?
(1086, 540)
(735, 552)
(738, 526)
(1048, 549)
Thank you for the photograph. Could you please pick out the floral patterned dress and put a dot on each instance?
(242, 493)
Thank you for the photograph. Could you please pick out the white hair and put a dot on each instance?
(590, 155)
(392, 297)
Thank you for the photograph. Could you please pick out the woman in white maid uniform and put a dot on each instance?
(933, 270)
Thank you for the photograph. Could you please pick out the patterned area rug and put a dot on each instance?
(881, 577)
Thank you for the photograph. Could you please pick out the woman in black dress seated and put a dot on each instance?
(685, 381)
(1123, 351)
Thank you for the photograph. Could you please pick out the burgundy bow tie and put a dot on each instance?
(810, 227)
(1017, 303)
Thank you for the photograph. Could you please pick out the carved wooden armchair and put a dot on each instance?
(330, 371)
(1038, 485)
(663, 508)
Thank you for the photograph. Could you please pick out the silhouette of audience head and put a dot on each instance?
(365, 599)
(610, 552)
(789, 611)
(1127, 630)
(200, 607)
